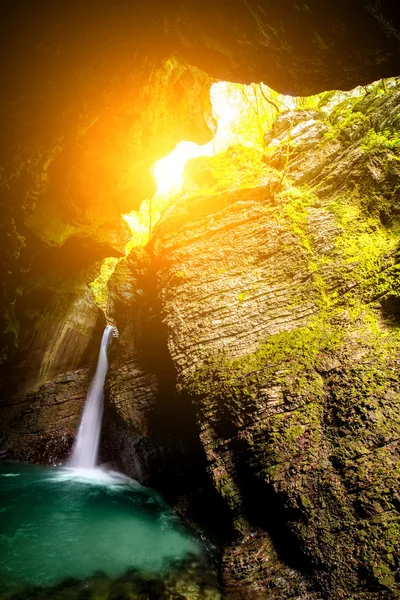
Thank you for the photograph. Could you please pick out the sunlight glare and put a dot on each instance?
(229, 103)
(168, 171)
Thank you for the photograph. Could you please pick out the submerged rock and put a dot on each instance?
(59, 527)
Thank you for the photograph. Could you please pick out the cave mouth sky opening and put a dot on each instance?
(251, 270)
(243, 114)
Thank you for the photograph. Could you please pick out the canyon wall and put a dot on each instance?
(270, 302)
(255, 380)
(276, 295)
(64, 187)
(93, 93)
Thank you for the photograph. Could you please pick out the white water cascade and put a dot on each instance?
(84, 452)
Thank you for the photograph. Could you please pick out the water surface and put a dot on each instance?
(58, 524)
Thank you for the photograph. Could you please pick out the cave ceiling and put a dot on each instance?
(297, 47)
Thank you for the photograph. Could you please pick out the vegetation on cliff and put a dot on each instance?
(288, 257)
(272, 281)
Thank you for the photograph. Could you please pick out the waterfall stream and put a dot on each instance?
(86, 532)
(84, 452)
(79, 533)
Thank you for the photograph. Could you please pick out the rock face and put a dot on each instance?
(64, 188)
(262, 298)
(43, 389)
(277, 297)
(149, 428)
(68, 174)
(298, 48)
(93, 93)
(41, 426)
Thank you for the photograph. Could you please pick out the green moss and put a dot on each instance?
(367, 249)
(294, 206)
(343, 413)
(387, 139)
(75, 423)
(344, 122)
(314, 411)
(284, 358)
(99, 287)
(238, 167)
(364, 259)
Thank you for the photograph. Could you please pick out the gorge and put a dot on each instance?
(255, 381)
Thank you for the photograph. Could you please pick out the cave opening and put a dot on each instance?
(255, 380)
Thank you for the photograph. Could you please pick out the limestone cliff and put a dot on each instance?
(276, 295)
(64, 184)
(270, 295)
(93, 93)
(58, 328)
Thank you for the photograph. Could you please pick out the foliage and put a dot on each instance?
(386, 139)
(99, 287)
(244, 113)
(368, 249)
(237, 167)
(313, 411)
(346, 123)
(255, 108)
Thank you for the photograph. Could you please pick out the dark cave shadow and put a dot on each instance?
(266, 510)
(390, 310)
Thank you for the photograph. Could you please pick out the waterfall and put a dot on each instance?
(84, 452)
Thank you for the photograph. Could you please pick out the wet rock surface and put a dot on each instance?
(94, 93)
(71, 166)
(192, 579)
(255, 378)
(57, 332)
(41, 426)
(278, 305)
(272, 411)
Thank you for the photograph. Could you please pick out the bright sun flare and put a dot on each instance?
(237, 111)
(168, 171)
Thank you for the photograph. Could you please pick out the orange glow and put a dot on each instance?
(226, 108)
(233, 108)
(242, 115)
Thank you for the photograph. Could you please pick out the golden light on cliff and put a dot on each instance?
(243, 115)
(227, 104)
(169, 170)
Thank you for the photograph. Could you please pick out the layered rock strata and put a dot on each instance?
(93, 93)
(69, 175)
(41, 426)
(277, 295)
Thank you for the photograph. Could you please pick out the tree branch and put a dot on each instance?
(271, 102)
